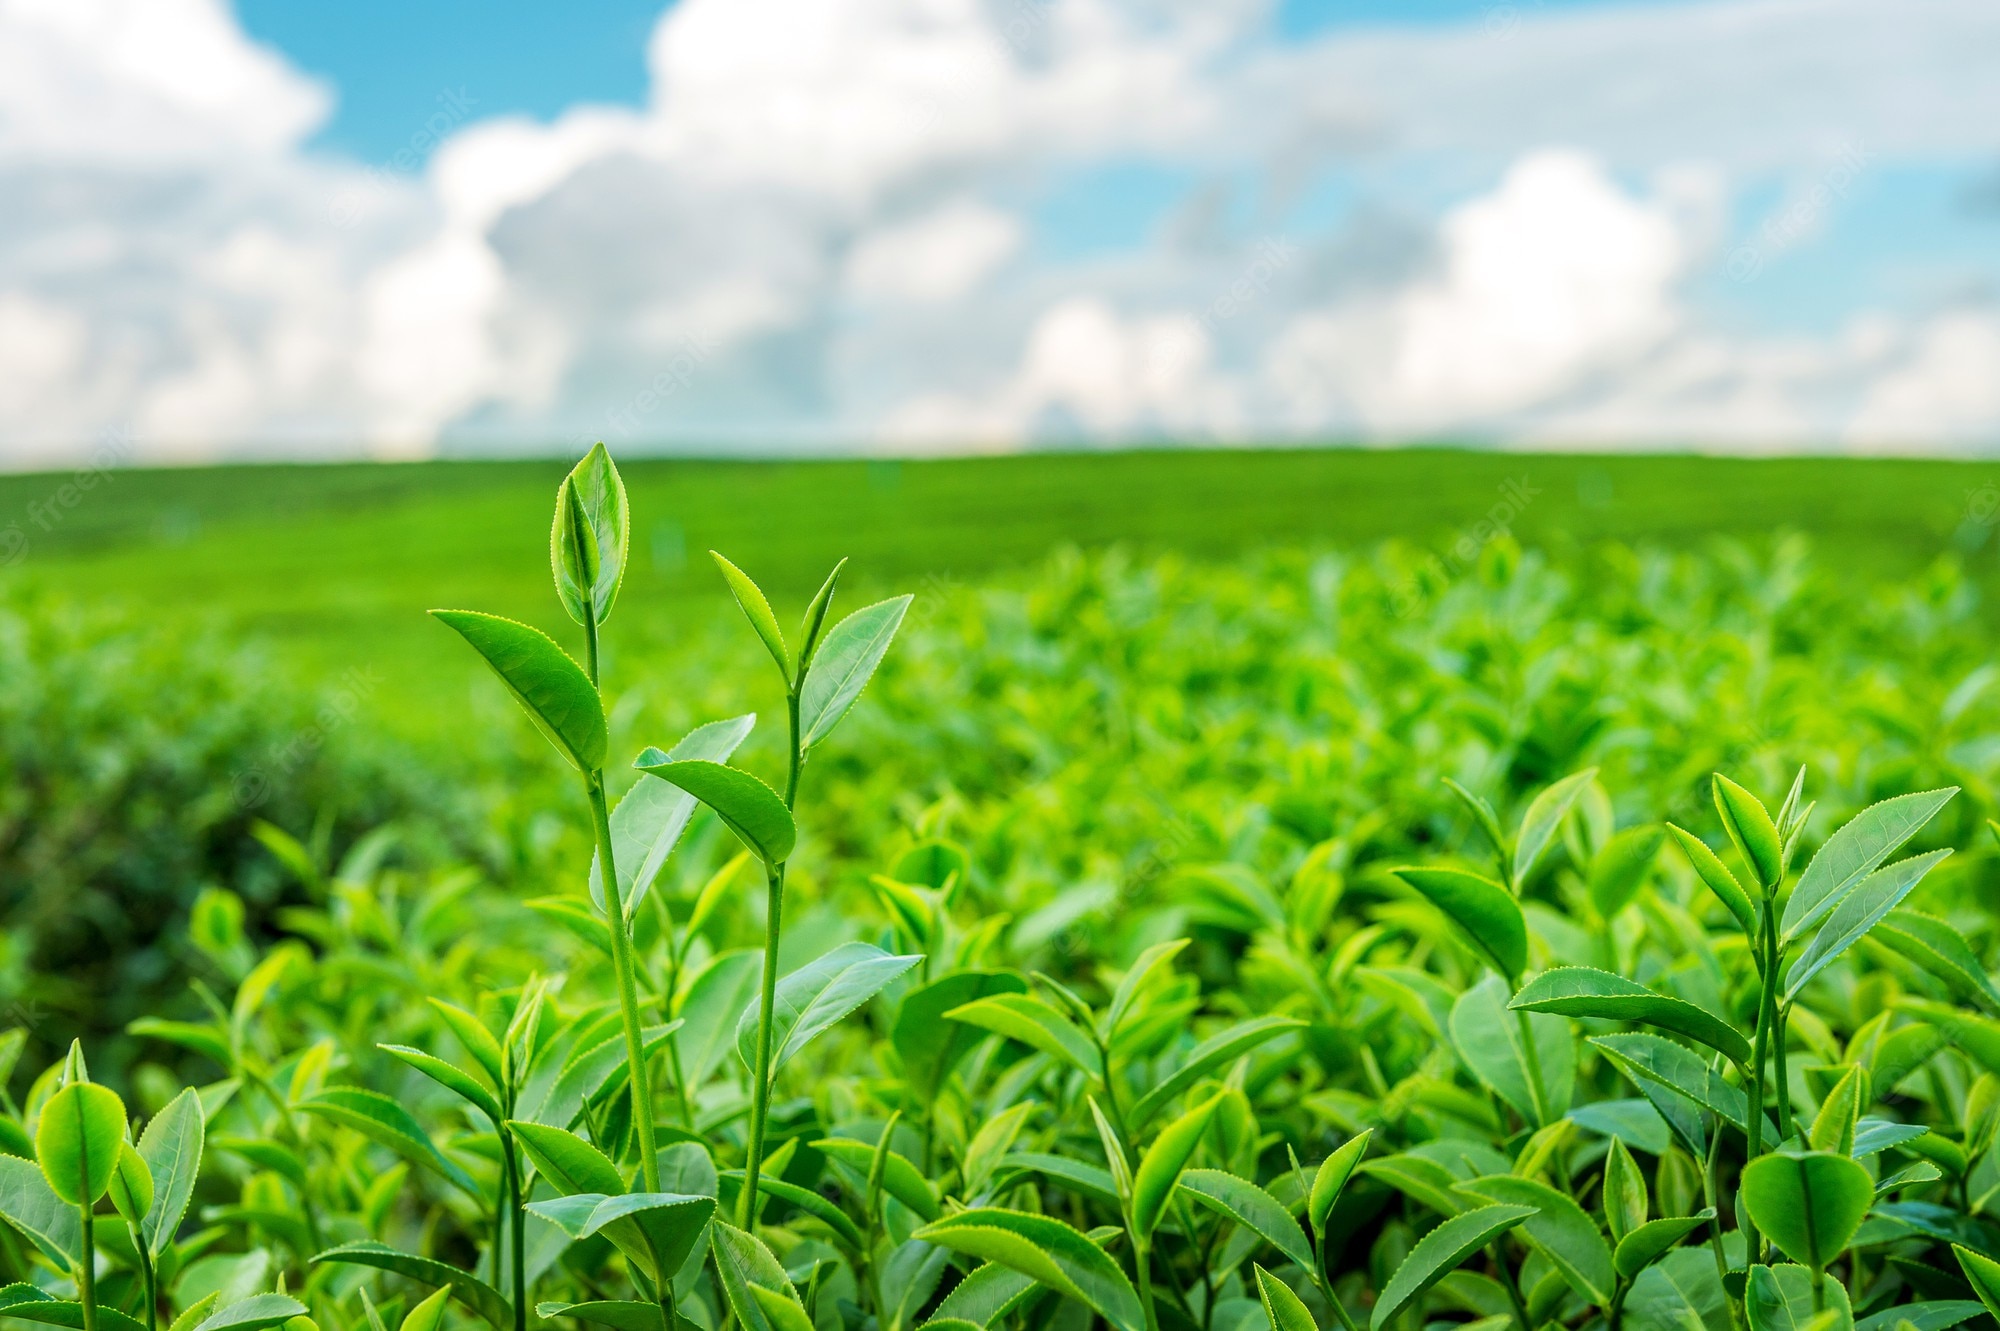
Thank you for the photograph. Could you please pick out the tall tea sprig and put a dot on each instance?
(821, 683)
(587, 549)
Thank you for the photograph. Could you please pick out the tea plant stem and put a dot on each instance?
(150, 1276)
(760, 1094)
(1711, 1190)
(1142, 1262)
(1781, 1085)
(86, 1276)
(1533, 1058)
(510, 1165)
(628, 990)
(1512, 1287)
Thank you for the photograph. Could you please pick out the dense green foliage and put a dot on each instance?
(139, 760)
(1304, 941)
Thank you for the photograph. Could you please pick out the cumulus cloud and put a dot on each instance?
(823, 229)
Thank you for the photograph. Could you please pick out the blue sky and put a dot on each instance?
(260, 226)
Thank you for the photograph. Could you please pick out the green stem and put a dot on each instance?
(1616, 1311)
(1533, 1057)
(1766, 1006)
(1711, 1191)
(628, 990)
(760, 1093)
(1513, 1288)
(795, 760)
(1142, 1262)
(150, 1275)
(87, 1271)
(510, 1162)
(1781, 1085)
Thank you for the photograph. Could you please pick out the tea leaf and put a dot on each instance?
(1223, 1047)
(1439, 1253)
(746, 805)
(1853, 852)
(750, 598)
(649, 821)
(1159, 1171)
(380, 1119)
(1647, 1243)
(846, 661)
(558, 697)
(1715, 875)
(481, 1297)
(1282, 1307)
(1559, 1228)
(1485, 911)
(1046, 1250)
(929, 1044)
(1541, 822)
(590, 539)
(1780, 1298)
(1808, 1204)
(1749, 825)
(814, 998)
(1865, 903)
(1251, 1207)
(78, 1140)
(1580, 991)
(257, 1311)
(1034, 1023)
(1940, 949)
(171, 1146)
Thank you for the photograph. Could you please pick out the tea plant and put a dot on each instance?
(1378, 1057)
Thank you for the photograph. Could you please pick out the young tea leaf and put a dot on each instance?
(749, 808)
(78, 1139)
(1439, 1253)
(1046, 1250)
(1808, 1204)
(1581, 991)
(814, 997)
(750, 598)
(846, 661)
(558, 697)
(1853, 852)
(1484, 910)
(590, 538)
(1542, 821)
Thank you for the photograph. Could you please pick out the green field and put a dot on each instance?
(1295, 891)
(332, 565)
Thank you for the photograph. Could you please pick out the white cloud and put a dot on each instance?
(1945, 389)
(822, 228)
(1555, 273)
(937, 257)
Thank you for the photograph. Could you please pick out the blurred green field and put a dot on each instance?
(331, 566)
